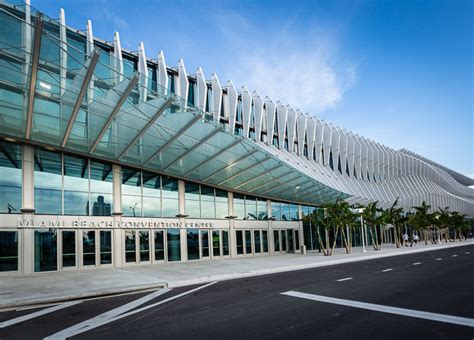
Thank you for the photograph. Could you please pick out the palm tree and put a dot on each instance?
(457, 221)
(394, 216)
(421, 219)
(372, 218)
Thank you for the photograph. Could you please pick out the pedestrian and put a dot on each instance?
(405, 239)
(416, 238)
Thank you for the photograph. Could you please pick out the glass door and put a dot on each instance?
(216, 243)
(204, 243)
(291, 246)
(68, 248)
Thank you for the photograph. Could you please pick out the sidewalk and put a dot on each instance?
(60, 286)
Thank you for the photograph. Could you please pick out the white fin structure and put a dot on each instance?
(201, 89)
(216, 97)
(258, 115)
(246, 109)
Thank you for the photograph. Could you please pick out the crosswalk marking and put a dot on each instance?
(416, 263)
(457, 320)
(344, 279)
(387, 270)
(37, 314)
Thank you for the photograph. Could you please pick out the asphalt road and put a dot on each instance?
(255, 308)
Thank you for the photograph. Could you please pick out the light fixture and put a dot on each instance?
(45, 85)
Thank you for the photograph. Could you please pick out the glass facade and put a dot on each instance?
(69, 248)
(10, 178)
(45, 250)
(284, 211)
(205, 202)
(174, 244)
(105, 247)
(88, 248)
(159, 245)
(193, 244)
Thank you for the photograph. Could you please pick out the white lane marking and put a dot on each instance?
(387, 270)
(37, 314)
(468, 252)
(455, 255)
(344, 279)
(457, 320)
(439, 259)
(100, 320)
(416, 263)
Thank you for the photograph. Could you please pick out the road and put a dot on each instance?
(282, 306)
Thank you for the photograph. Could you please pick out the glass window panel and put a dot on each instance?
(10, 178)
(88, 247)
(170, 207)
(8, 251)
(293, 212)
(265, 241)
(159, 246)
(285, 212)
(46, 250)
(276, 211)
(76, 186)
(192, 200)
(283, 240)
(144, 246)
(151, 207)
(151, 185)
(170, 187)
(48, 182)
(69, 248)
(216, 247)
(192, 236)
(297, 240)
(262, 213)
(276, 240)
(225, 242)
(240, 241)
(208, 209)
(239, 206)
(131, 182)
(251, 207)
(256, 238)
(205, 243)
(174, 244)
(131, 205)
(101, 188)
(248, 242)
(130, 246)
(105, 247)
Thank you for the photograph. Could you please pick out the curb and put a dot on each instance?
(34, 303)
(225, 277)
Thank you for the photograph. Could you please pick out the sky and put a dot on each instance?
(397, 72)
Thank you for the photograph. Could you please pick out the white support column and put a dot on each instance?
(162, 74)
(217, 97)
(270, 112)
(311, 136)
(27, 210)
(118, 59)
(271, 246)
(63, 51)
(246, 109)
(201, 89)
(291, 125)
(182, 212)
(301, 122)
(231, 104)
(258, 114)
(282, 114)
(182, 83)
(117, 189)
(232, 237)
(143, 73)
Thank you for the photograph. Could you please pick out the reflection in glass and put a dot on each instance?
(144, 246)
(290, 240)
(48, 182)
(130, 246)
(240, 241)
(248, 242)
(216, 248)
(192, 200)
(69, 248)
(88, 247)
(207, 202)
(276, 211)
(170, 196)
(192, 236)
(174, 244)
(285, 212)
(251, 207)
(131, 192)
(239, 206)
(294, 212)
(46, 251)
(105, 247)
(283, 240)
(159, 246)
(256, 238)
(262, 213)
(265, 241)
(225, 242)
(151, 195)
(297, 240)
(101, 188)
(276, 240)
(8, 251)
(222, 204)
(205, 243)
(76, 186)
(10, 178)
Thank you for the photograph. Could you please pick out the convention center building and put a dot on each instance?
(110, 158)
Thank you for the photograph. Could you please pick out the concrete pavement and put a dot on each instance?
(60, 286)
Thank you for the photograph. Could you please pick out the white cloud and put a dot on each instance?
(297, 68)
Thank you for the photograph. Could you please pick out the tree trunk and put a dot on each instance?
(395, 235)
(374, 244)
(346, 242)
(335, 239)
(321, 245)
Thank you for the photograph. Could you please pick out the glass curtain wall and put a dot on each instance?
(205, 202)
(10, 178)
(8, 251)
(174, 244)
(45, 250)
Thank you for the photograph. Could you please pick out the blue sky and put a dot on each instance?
(397, 72)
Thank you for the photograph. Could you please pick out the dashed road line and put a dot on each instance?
(416, 263)
(37, 314)
(344, 279)
(455, 255)
(103, 319)
(439, 259)
(387, 270)
(457, 320)
(467, 252)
